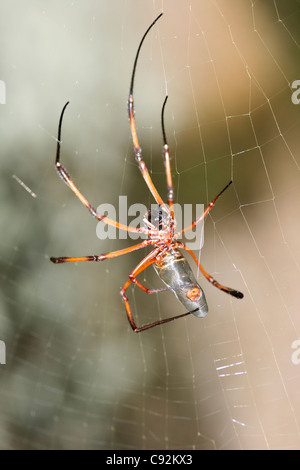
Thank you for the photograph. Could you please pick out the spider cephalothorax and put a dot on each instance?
(159, 222)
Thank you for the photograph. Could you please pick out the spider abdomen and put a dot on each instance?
(175, 272)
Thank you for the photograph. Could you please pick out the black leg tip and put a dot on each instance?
(237, 294)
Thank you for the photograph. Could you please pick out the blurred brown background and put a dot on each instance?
(76, 376)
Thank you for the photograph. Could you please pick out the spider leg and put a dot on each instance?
(209, 207)
(228, 290)
(104, 256)
(136, 145)
(68, 180)
(167, 163)
(145, 263)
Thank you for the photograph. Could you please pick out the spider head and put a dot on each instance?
(158, 218)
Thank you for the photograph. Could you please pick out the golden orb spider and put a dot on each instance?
(159, 225)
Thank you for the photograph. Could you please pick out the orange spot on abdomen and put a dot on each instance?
(194, 294)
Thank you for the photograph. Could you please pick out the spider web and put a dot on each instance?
(76, 376)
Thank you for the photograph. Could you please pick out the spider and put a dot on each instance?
(160, 227)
